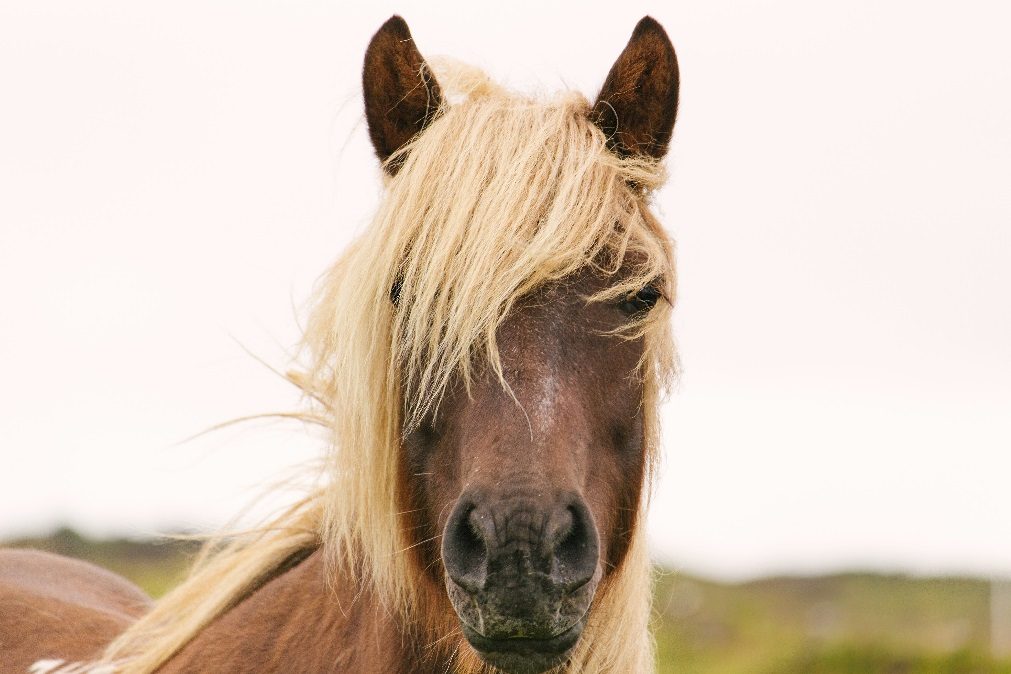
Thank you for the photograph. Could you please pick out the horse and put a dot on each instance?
(488, 359)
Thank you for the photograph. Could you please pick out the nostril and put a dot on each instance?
(464, 551)
(469, 539)
(576, 550)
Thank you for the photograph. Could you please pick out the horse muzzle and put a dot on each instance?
(521, 577)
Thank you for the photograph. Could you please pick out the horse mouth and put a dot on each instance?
(522, 655)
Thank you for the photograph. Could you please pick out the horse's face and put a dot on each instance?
(535, 490)
(521, 493)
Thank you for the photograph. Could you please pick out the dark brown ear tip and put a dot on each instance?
(394, 29)
(396, 26)
(648, 24)
(648, 27)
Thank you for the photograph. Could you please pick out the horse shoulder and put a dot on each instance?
(296, 623)
(54, 607)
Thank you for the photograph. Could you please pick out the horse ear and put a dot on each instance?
(639, 100)
(401, 95)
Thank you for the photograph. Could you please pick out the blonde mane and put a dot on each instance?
(501, 194)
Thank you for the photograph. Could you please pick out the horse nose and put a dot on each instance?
(509, 542)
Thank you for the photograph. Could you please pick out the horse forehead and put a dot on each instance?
(537, 347)
(544, 320)
(543, 352)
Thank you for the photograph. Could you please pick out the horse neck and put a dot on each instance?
(296, 623)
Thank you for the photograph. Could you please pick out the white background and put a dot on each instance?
(174, 176)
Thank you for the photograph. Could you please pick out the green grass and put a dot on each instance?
(860, 623)
(855, 623)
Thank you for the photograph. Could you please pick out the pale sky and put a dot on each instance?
(174, 176)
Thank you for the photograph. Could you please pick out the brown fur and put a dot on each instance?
(56, 607)
(282, 626)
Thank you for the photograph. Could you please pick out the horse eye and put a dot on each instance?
(642, 301)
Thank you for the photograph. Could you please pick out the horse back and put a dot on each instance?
(57, 608)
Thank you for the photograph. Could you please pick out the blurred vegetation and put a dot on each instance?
(842, 624)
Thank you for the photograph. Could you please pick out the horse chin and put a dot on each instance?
(522, 631)
(523, 655)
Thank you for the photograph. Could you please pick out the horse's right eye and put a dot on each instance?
(642, 301)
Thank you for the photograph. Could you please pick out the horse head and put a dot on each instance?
(526, 444)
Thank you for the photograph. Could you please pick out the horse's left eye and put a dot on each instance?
(642, 301)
